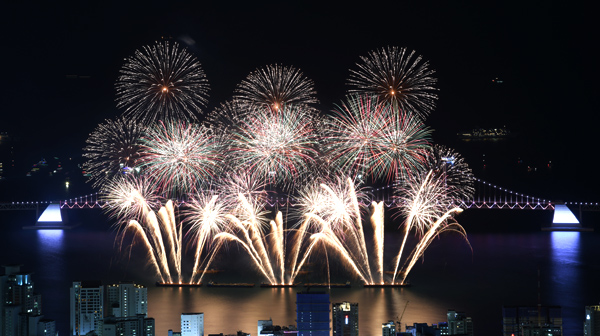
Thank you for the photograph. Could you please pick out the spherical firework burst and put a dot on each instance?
(181, 157)
(396, 75)
(162, 81)
(113, 148)
(279, 146)
(365, 136)
(450, 165)
(275, 86)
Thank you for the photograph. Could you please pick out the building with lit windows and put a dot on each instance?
(388, 329)
(345, 319)
(46, 327)
(192, 324)
(87, 307)
(591, 326)
(91, 302)
(20, 306)
(127, 299)
(262, 324)
(459, 323)
(530, 321)
(138, 325)
(312, 314)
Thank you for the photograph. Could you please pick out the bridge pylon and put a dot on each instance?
(565, 220)
(52, 218)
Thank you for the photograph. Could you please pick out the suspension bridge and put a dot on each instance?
(486, 196)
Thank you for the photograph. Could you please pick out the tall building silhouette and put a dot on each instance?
(591, 326)
(524, 321)
(345, 319)
(127, 299)
(459, 323)
(20, 306)
(312, 314)
(87, 307)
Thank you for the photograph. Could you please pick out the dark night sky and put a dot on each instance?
(543, 50)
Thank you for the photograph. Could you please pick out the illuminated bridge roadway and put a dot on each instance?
(487, 196)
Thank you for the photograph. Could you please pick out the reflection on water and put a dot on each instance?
(566, 287)
(51, 246)
(228, 310)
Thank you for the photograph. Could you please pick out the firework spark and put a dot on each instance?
(129, 196)
(181, 157)
(113, 148)
(247, 230)
(275, 86)
(396, 75)
(340, 224)
(162, 238)
(162, 81)
(426, 204)
(206, 217)
(450, 165)
(279, 146)
(366, 137)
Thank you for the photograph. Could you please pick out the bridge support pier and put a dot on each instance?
(51, 219)
(565, 220)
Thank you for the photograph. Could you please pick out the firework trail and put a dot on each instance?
(398, 76)
(113, 148)
(340, 226)
(162, 237)
(424, 202)
(162, 81)
(366, 137)
(181, 157)
(246, 229)
(129, 196)
(206, 217)
(279, 146)
(377, 221)
(275, 86)
(440, 225)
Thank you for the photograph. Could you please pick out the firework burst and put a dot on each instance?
(279, 146)
(181, 157)
(366, 137)
(396, 75)
(162, 81)
(275, 86)
(113, 148)
(450, 166)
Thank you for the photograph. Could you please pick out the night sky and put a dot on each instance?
(543, 51)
